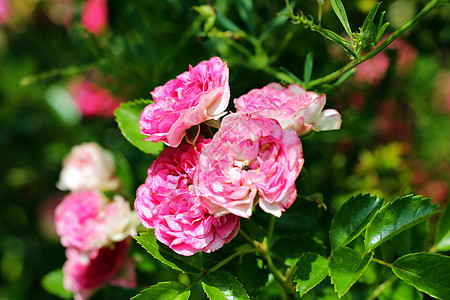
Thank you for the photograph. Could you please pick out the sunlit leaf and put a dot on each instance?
(169, 290)
(352, 218)
(339, 10)
(127, 117)
(188, 264)
(222, 285)
(396, 216)
(345, 267)
(53, 283)
(311, 269)
(429, 273)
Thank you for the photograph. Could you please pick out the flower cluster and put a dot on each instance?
(197, 189)
(95, 230)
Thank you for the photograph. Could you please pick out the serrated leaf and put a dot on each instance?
(345, 267)
(222, 285)
(339, 10)
(429, 273)
(127, 117)
(188, 264)
(308, 67)
(352, 218)
(311, 269)
(53, 283)
(443, 231)
(170, 290)
(396, 216)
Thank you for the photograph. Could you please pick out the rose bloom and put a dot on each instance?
(93, 100)
(88, 167)
(87, 221)
(5, 11)
(250, 160)
(195, 96)
(168, 203)
(108, 264)
(94, 16)
(292, 106)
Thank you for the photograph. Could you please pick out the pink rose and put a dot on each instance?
(5, 11)
(79, 221)
(87, 221)
(200, 94)
(168, 203)
(109, 264)
(250, 160)
(93, 100)
(292, 106)
(94, 16)
(88, 167)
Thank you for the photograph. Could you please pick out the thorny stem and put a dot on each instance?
(411, 23)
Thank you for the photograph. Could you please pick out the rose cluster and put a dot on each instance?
(197, 189)
(95, 230)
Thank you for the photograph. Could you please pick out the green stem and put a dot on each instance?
(382, 287)
(57, 72)
(381, 262)
(288, 5)
(335, 75)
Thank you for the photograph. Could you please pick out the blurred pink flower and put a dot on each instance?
(108, 264)
(372, 71)
(168, 203)
(293, 107)
(197, 95)
(87, 221)
(94, 16)
(250, 160)
(93, 100)
(88, 167)
(406, 55)
(5, 11)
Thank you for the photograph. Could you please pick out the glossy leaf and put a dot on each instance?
(222, 285)
(169, 290)
(443, 232)
(339, 10)
(396, 216)
(53, 283)
(188, 264)
(311, 269)
(345, 267)
(127, 117)
(429, 273)
(352, 218)
(308, 67)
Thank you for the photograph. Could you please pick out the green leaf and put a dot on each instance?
(169, 290)
(250, 265)
(381, 32)
(311, 269)
(127, 117)
(188, 264)
(429, 273)
(53, 283)
(398, 290)
(352, 218)
(396, 216)
(308, 67)
(443, 232)
(345, 267)
(222, 285)
(339, 10)
(371, 15)
(245, 9)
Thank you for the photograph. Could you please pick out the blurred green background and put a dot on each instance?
(396, 110)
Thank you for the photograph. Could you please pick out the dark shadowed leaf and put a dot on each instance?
(53, 283)
(429, 273)
(352, 218)
(345, 267)
(398, 290)
(308, 67)
(396, 216)
(311, 269)
(222, 285)
(188, 264)
(249, 266)
(127, 117)
(169, 290)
